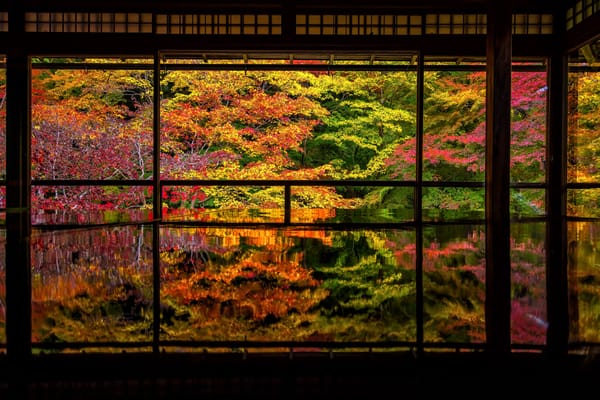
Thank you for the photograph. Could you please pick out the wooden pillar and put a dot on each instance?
(556, 230)
(18, 228)
(498, 272)
(18, 188)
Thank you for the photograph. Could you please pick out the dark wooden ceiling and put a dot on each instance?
(457, 6)
(586, 33)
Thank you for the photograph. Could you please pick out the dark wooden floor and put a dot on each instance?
(303, 376)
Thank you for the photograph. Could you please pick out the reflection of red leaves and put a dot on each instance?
(251, 288)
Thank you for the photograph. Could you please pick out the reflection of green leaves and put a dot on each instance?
(453, 306)
(370, 297)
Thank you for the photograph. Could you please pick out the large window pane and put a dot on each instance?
(352, 204)
(287, 124)
(527, 203)
(584, 127)
(228, 204)
(529, 321)
(528, 125)
(454, 284)
(307, 285)
(88, 205)
(92, 285)
(454, 125)
(583, 203)
(584, 282)
(90, 122)
(453, 204)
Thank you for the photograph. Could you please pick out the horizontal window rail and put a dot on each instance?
(236, 346)
(240, 345)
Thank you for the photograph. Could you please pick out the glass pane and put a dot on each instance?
(583, 127)
(527, 202)
(2, 120)
(454, 126)
(92, 285)
(2, 287)
(584, 282)
(529, 321)
(453, 204)
(528, 126)
(91, 123)
(306, 285)
(90, 204)
(273, 125)
(223, 203)
(2, 203)
(352, 204)
(454, 283)
(583, 203)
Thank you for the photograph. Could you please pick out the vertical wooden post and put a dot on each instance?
(556, 230)
(18, 217)
(498, 271)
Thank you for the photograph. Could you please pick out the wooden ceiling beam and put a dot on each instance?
(332, 6)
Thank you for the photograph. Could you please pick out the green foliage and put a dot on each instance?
(583, 145)
(364, 123)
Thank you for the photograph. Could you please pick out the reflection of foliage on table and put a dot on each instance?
(246, 287)
(371, 289)
(454, 288)
(288, 287)
(584, 281)
(528, 289)
(92, 285)
(230, 284)
(2, 303)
